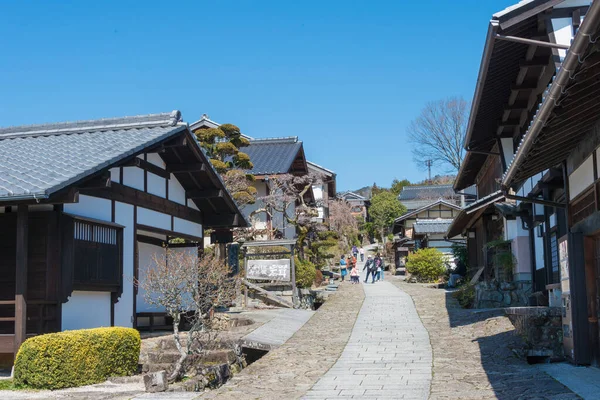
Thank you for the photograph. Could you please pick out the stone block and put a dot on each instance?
(156, 382)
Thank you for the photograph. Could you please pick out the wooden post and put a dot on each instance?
(21, 276)
(293, 277)
(246, 275)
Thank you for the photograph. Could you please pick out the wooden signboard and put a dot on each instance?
(271, 270)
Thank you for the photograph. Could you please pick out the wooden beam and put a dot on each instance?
(148, 166)
(204, 194)
(525, 86)
(129, 195)
(220, 220)
(21, 276)
(535, 62)
(192, 167)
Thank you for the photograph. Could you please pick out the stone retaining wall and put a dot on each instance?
(540, 328)
(495, 294)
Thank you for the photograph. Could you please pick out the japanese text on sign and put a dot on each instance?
(272, 270)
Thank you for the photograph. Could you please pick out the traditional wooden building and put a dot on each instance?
(424, 227)
(414, 197)
(84, 206)
(323, 191)
(359, 204)
(562, 145)
(524, 46)
(272, 157)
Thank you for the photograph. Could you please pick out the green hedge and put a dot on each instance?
(426, 265)
(305, 273)
(77, 358)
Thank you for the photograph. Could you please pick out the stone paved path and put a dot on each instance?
(474, 352)
(278, 330)
(388, 355)
(291, 369)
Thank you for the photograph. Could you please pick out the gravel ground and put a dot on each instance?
(473, 355)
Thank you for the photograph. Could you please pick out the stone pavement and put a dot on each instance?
(585, 381)
(291, 369)
(474, 352)
(388, 355)
(278, 330)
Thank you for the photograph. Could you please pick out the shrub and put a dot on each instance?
(77, 358)
(426, 265)
(318, 278)
(465, 295)
(305, 273)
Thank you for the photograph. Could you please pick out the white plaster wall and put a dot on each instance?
(520, 249)
(157, 185)
(563, 33)
(318, 192)
(146, 252)
(539, 251)
(124, 307)
(258, 221)
(176, 191)
(581, 178)
(153, 218)
(115, 175)
(91, 207)
(507, 150)
(86, 310)
(187, 227)
(191, 204)
(133, 177)
(155, 159)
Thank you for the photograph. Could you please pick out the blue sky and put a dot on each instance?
(347, 77)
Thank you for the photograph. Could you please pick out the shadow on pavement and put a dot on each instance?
(459, 316)
(500, 350)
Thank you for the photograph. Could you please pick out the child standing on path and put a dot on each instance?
(354, 274)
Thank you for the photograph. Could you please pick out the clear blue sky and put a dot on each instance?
(347, 77)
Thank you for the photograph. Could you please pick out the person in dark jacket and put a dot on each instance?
(369, 267)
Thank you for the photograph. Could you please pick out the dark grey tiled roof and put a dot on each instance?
(432, 192)
(272, 156)
(38, 160)
(432, 225)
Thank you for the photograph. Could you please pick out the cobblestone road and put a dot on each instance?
(473, 354)
(290, 370)
(388, 355)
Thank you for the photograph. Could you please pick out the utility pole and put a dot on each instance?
(428, 163)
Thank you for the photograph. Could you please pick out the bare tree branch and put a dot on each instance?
(437, 134)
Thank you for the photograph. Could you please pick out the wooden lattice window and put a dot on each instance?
(583, 206)
(96, 255)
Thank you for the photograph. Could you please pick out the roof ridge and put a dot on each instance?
(284, 139)
(149, 120)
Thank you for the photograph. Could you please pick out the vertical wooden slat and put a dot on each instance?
(21, 276)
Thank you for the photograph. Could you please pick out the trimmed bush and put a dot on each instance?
(465, 295)
(305, 273)
(77, 358)
(426, 265)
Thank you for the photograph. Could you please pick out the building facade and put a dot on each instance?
(85, 205)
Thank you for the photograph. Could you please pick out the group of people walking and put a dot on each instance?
(374, 266)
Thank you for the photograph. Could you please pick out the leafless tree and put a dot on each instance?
(437, 134)
(185, 284)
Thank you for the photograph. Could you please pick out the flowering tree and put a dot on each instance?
(287, 201)
(185, 284)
